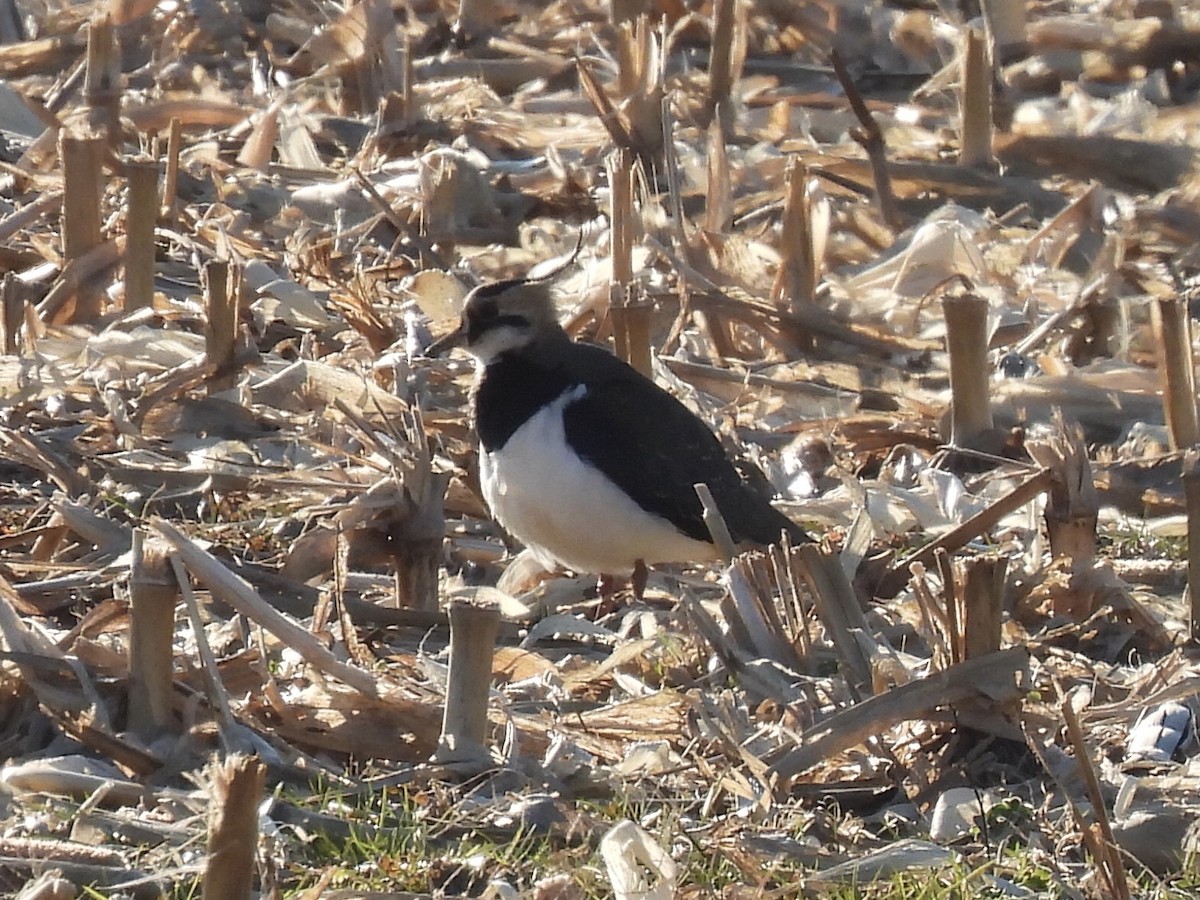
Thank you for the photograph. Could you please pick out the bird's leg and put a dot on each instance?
(638, 579)
(606, 590)
(606, 586)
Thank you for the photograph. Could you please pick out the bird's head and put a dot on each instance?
(507, 315)
(500, 317)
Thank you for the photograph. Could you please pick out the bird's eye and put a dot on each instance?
(487, 308)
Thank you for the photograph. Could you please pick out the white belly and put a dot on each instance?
(566, 511)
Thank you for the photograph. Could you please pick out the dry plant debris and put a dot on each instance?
(236, 500)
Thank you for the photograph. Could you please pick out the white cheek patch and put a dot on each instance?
(495, 341)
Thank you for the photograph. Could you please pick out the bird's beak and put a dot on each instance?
(448, 342)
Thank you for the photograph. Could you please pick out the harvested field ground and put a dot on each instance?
(929, 275)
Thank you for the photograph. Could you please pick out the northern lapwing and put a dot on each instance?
(585, 460)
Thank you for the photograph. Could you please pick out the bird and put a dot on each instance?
(585, 460)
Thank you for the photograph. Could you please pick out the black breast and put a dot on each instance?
(511, 390)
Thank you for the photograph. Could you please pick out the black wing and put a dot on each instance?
(655, 449)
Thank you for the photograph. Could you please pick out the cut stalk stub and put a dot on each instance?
(473, 627)
(967, 342)
(237, 788)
